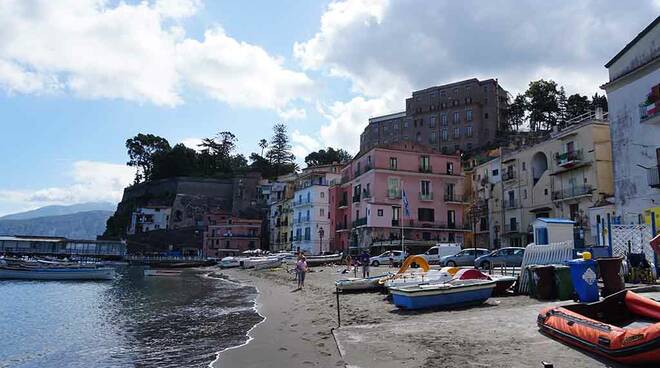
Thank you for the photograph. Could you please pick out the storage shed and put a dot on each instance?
(552, 230)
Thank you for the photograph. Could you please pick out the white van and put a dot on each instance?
(434, 254)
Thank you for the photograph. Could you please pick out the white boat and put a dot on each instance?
(356, 284)
(270, 262)
(56, 273)
(321, 260)
(162, 272)
(230, 262)
(418, 277)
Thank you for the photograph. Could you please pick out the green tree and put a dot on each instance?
(325, 157)
(279, 154)
(577, 105)
(141, 152)
(217, 153)
(263, 144)
(543, 104)
(517, 110)
(179, 161)
(599, 101)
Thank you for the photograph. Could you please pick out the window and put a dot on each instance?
(322, 212)
(545, 191)
(443, 119)
(469, 146)
(524, 193)
(496, 172)
(405, 124)
(468, 131)
(468, 115)
(450, 168)
(432, 122)
(308, 233)
(451, 218)
(421, 122)
(322, 195)
(425, 163)
(457, 117)
(467, 90)
(425, 187)
(523, 167)
(393, 189)
(455, 91)
(445, 136)
(426, 214)
(457, 132)
(486, 116)
(396, 212)
(419, 137)
(307, 215)
(443, 93)
(393, 163)
(380, 213)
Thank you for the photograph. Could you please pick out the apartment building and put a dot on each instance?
(281, 213)
(368, 209)
(565, 176)
(633, 94)
(311, 210)
(150, 218)
(231, 236)
(463, 116)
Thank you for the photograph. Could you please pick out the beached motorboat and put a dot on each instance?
(624, 327)
(56, 273)
(360, 284)
(455, 293)
(416, 278)
(313, 261)
(162, 272)
(230, 262)
(502, 282)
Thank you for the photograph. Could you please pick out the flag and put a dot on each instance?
(404, 203)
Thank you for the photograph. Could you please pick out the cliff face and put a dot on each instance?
(80, 225)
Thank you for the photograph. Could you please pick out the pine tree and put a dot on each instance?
(279, 153)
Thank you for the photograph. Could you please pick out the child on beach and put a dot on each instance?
(301, 269)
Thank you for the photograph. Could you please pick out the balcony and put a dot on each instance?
(301, 202)
(512, 228)
(433, 225)
(366, 194)
(394, 194)
(511, 203)
(342, 203)
(356, 198)
(570, 158)
(455, 198)
(508, 175)
(360, 222)
(340, 227)
(425, 196)
(426, 169)
(653, 175)
(577, 191)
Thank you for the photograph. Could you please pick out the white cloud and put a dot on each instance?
(387, 49)
(137, 52)
(192, 142)
(92, 181)
(303, 144)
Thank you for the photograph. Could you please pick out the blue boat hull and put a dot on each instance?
(442, 299)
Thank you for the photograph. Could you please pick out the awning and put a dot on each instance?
(540, 209)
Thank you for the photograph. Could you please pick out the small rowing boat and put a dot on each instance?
(313, 261)
(360, 284)
(56, 273)
(162, 272)
(455, 293)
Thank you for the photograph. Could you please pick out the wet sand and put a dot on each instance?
(300, 330)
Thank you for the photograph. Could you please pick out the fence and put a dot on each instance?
(556, 253)
(633, 239)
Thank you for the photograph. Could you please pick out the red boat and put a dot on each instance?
(624, 327)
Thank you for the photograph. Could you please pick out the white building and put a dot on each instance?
(146, 219)
(633, 94)
(311, 209)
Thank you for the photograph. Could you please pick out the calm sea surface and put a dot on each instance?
(133, 321)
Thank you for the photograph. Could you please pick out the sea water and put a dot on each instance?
(132, 321)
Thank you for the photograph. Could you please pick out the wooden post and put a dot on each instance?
(338, 314)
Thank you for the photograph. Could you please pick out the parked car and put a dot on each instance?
(434, 254)
(387, 257)
(463, 258)
(511, 256)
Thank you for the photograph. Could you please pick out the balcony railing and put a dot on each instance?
(360, 222)
(508, 175)
(394, 193)
(569, 158)
(512, 227)
(396, 223)
(366, 194)
(341, 226)
(572, 192)
(653, 175)
(433, 225)
(511, 203)
(343, 202)
(453, 197)
(356, 198)
(425, 169)
(426, 196)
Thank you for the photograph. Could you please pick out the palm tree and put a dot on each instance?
(263, 144)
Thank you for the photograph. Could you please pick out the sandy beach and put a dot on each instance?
(300, 330)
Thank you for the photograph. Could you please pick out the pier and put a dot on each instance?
(59, 247)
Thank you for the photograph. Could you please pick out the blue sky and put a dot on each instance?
(77, 78)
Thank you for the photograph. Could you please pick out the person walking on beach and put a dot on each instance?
(301, 269)
(364, 260)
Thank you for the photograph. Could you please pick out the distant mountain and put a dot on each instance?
(57, 210)
(80, 225)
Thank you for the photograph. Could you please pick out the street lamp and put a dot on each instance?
(321, 233)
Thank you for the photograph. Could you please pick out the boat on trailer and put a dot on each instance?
(452, 294)
(624, 326)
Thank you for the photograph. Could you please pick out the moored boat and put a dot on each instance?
(162, 272)
(455, 293)
(360, 284)
(313, 261)
(56, 273)
(624, 327)
(230, 262)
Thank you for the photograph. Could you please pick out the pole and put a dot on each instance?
(609, 235)
(653, 232)
(338, 314)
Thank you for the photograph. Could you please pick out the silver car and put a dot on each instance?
(465, 257)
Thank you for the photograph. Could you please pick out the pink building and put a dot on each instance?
(227, 236)
(368, 209)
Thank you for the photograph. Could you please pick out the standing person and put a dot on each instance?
(348, 263)
(364, 260)
(301, 269)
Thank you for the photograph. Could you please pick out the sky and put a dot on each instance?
(78, 78)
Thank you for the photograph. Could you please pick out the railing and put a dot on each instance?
(434, 225)
(425, 169)
(653, 175)
(302, 202)
(572, 192)
(426, 196)
(343, 202)
(396, 223)
(357, 173)
(340, 226)
(511, 203)
(366, 194)
(452, 197)
(512, 227)
(569, 157)
(508, 175)
(360, 222)
(356, 198)
(394, 194)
